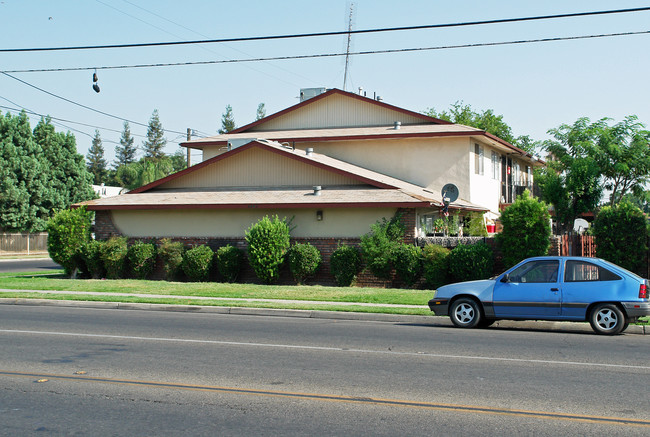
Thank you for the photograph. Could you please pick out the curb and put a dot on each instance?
(316, 314)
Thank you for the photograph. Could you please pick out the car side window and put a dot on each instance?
(541, 271)
(583, 271)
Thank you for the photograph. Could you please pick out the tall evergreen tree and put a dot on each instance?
(155, 143)
(70, 179)
(125, 151)
(96, 161)
(261, 112)
(40, 172)
(227, 121)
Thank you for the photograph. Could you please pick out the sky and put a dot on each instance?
(535, 86)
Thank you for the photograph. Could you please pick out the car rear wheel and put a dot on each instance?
(465, 313)
(607, 319)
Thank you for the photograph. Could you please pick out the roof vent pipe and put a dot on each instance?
(309, 151)
(398, 125)
(317, 189)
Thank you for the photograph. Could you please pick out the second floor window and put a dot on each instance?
(478, 159)
(495, 165)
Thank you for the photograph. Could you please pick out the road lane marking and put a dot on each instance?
(345, 399)
(326, 348)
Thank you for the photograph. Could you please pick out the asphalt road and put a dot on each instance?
(27, 265)
(69, 371)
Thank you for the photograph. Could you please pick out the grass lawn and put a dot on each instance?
(55, 281)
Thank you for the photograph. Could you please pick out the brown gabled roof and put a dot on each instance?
(377, 189)
(328, 93)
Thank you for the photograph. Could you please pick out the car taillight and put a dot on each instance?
(643, 291)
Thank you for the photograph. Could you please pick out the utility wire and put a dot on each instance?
(323, 55)
(83, 106)
(319, 34)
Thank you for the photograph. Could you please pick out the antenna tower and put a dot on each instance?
(347, 51)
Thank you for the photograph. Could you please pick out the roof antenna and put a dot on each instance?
(347, 51)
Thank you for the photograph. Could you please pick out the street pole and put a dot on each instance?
(189, 157)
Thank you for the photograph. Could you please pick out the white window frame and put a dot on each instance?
(496, 160)
(479, 166)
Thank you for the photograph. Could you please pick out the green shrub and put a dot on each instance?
(621, 236)
(197, 262)
(470, 262)
(142, 258)
(435, 265)
(91, 254)
(113, 255)
(171, 255)
(407, 260)
(67, 232)
(229, 261)
(378, 244)
(526, 230)
(268, 242)
(304, 260)
(344, 264)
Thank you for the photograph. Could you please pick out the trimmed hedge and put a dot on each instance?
(91, 254)
(113, 255)
(142, 258)
(268, 242)
(345, 263)
(171, 255)
(67, 232)
(471, 262)
(407, 261)
(304, 261)
(435, 265)
(229, 262)
(197, 262)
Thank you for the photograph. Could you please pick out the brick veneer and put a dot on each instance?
(105, 228)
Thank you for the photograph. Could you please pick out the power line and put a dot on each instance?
(326, 55)
(336, 33)
(81, 105)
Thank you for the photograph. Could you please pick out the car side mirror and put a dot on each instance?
(506, 278)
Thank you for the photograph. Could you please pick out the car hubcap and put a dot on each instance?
(464, 313)
(606, 319)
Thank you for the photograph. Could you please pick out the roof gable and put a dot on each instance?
(338, 109)
(313, 169)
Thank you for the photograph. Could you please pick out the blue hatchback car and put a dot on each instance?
(549, 288)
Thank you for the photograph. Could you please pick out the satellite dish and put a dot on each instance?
(449, 191)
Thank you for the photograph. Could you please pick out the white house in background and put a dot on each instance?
(108, 191)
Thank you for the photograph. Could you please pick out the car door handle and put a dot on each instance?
(555, 290)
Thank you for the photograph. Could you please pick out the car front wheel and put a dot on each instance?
(465, 313)
(607, 319)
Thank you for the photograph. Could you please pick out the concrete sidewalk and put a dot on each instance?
(431, 320)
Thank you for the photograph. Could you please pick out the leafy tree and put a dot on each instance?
(526, 230)
(304, 261)
(96, 161)
(621, 236)
(143, 172)
(178, 161)
(125, 151)
(154, 145)
(261, 112)
(227, 121)
(344, 264)
(623, 154)
(571, 182)
(486, 120)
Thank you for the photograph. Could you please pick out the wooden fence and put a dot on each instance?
(577, 245)
(23, 243)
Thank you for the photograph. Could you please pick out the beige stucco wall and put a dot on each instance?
(225, 223)
(427, 162)
(256, 167)
(337, 111)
